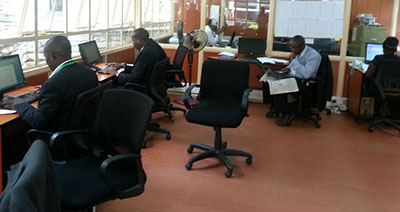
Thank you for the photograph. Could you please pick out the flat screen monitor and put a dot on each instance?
(252, 46)
(90, 53)
(11, 74)
(371, 50)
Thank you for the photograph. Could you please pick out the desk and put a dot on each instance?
(9, 126)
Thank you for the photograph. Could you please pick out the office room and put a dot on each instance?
(340, 152)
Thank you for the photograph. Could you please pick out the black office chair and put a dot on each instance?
(157, 91)
(313, 94)
(179, 31)
(175, 76)
(120, 129)
(387, 83)
(83, 116)
(32, 184)
(223, 103)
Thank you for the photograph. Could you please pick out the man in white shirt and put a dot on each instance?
(304, 64)
(213, 32)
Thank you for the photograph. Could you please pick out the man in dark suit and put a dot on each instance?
(59, 93)
(149, 54)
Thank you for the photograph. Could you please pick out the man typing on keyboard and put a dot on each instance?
(59, 93)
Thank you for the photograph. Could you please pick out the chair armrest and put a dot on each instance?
(245, 101)
(188, 95)
(135, 158)
(135, 86)
(178, 73)
(57, 136)
(34, 134)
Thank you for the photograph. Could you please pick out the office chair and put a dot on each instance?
(175, 76)
(179, 30)
(314, 93)
(120, 129)
(387, 83)
(32, 184)
(157, 91)
(83, 116)
(223, 103)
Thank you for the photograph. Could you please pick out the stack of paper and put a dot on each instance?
(228, 55)
(271, 60)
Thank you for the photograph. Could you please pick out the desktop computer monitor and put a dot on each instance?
(252, 46)
(90, 53)
(11, 74)
(371, 50)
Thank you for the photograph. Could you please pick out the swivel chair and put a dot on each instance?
(314, 93)
(118, 173)
(223, 103)
(156, 89)
(83, 117)
(387, 83)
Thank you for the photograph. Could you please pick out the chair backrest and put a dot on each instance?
(86, 105)
(157, 87)
(388, 75)
(32, 183)
(223, 80)
(179, 57)
(179, 29)
(121, 119)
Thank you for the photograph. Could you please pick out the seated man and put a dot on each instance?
(149, 54)
(389, 52)
(304, 64)
(213, 32)
(58, 94)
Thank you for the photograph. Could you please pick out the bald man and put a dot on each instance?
(59, 93)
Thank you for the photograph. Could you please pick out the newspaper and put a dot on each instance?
(280, 86)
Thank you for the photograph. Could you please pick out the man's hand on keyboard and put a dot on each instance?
(9, 102)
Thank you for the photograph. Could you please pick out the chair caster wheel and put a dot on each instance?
(249, 161)
(189, 149)
(224, 144)
(228, 173)
(168, 137)
(188, 166)
(371, 128)
(318, 126)
(172, 119)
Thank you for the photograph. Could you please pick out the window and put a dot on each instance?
(319, 22)
(109, 22)
(156, 16)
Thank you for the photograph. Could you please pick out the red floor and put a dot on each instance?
(339, 167)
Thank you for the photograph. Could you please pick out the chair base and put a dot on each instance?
(384, 121)
(155, 127)
(314, 117)
(172, 108)
(219, 151)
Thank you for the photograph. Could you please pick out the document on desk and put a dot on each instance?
(5, 112)
(271, 60)
(280, 86)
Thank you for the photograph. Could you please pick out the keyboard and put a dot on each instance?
(29, 97)
(249, 60)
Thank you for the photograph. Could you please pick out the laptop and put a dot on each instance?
(371, 50)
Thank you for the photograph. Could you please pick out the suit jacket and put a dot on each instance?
(325, 82)
(57, 98)
(144, 63)
(32, 184)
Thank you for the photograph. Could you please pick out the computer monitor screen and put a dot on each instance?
(90, 53)
(371, 50)
(11, 74)
(252, 46)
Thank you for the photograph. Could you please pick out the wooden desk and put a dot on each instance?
(354, 92)
(8, 123)
(104, 77)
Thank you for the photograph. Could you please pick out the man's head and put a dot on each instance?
(297, 44)
(212, 24)
(262, 10)
(57, 50)
(139, 38)
(390, 45)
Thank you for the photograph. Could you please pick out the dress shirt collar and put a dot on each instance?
(304, 51)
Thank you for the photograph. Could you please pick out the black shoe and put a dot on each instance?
(285, 120)
(272, 113)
